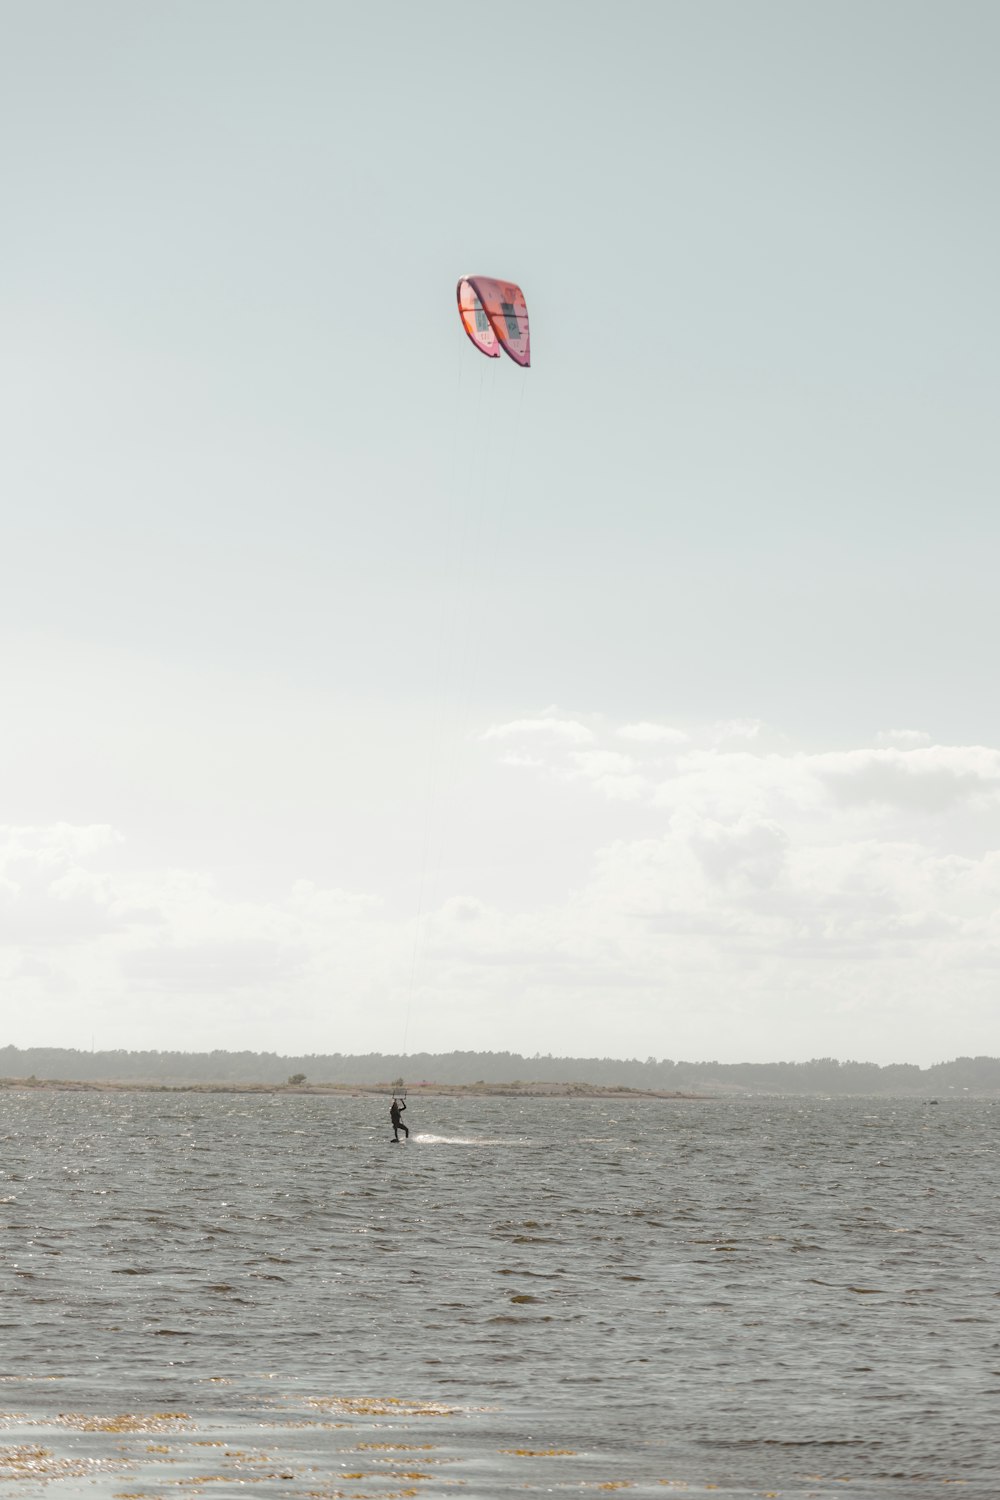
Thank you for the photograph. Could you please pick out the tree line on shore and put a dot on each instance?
(822, 1075)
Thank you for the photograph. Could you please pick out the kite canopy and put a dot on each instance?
(495, 316)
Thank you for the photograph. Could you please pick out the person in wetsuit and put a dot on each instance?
(395, 1115)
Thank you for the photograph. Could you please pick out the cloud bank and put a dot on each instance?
(736, 896)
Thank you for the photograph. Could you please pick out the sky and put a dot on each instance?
(359, 693)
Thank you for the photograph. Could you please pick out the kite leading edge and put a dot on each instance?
(495, 316)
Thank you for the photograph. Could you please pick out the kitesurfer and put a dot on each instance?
(395, 1115)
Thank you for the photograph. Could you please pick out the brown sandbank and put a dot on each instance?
(514, 1090)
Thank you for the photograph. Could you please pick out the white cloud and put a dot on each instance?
(737, 729)
(651, 734)
(906, 739)
(335, 907)
(615, 775)
(547, 726)
(752, 849)
(55, 844)
(714, 899)
(50, 897)
(929, 779)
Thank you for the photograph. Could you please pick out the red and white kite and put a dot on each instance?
(495, 316)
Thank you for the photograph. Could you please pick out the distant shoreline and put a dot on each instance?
(472, 1074)
(462, 1090)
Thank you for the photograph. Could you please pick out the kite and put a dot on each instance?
(495, 316)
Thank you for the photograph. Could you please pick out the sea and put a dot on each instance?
(257, 1294)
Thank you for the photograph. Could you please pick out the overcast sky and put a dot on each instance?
(359, 692)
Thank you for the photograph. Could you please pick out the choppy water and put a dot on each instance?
(755, 1296)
